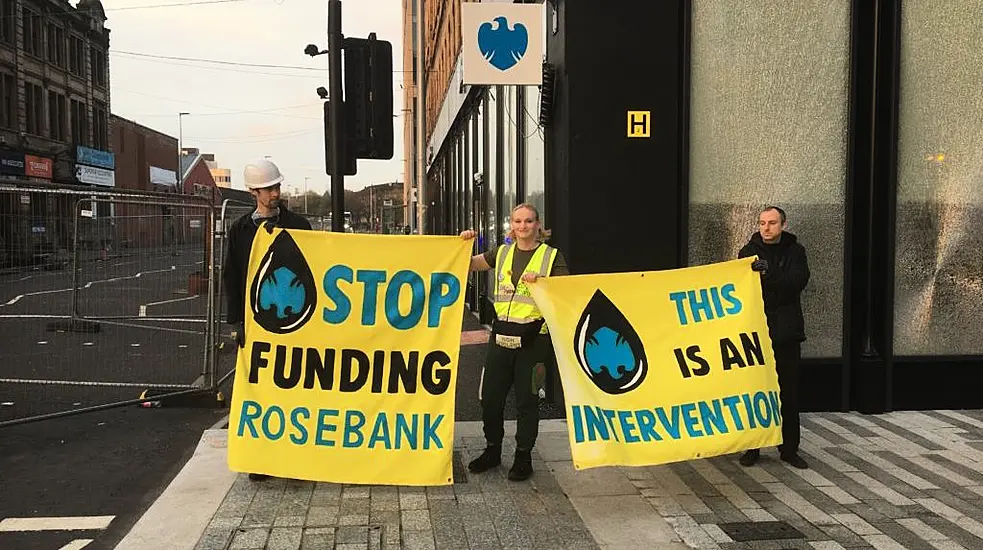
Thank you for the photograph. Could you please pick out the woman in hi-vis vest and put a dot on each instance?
(519, 344)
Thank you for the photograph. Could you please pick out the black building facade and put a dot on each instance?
(863, 120)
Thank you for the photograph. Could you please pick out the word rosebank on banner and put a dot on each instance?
(663, 366)
(349, 370)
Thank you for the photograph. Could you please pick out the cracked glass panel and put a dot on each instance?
(769, 120)
(939, 258)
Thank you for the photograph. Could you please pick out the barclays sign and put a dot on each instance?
(95, 157)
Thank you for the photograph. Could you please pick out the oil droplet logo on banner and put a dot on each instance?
(283, 296)
(607, 347)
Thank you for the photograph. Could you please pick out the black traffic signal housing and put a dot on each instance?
(369, 97)
(350, 165)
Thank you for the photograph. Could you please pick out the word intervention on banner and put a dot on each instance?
(663, 366)
(349, 368)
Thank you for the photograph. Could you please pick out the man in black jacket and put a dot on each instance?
(784, 275)
(263, 179)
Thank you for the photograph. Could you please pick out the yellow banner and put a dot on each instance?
(349, 370)
(663, 366)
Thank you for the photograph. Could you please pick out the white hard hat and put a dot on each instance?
(261, 173)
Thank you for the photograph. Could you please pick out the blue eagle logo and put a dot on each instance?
(282, 292)
(501, 47)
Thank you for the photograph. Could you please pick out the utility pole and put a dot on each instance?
(338, 126)
(180, 152)
(421, 118)
(305, 194)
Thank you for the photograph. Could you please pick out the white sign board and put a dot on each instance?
(95, 176)
(160, 176)
(502, 43)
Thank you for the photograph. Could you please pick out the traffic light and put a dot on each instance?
(350, 165)
(369, 97)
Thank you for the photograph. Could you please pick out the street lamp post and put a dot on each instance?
(305, 194)
(180, 151)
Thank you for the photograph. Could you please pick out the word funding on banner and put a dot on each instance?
(347, 372)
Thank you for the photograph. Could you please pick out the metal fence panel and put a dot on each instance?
(104, 294)
(226, 215)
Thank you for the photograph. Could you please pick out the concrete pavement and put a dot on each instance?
(906, 480)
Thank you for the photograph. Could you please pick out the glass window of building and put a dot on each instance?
(939, 235)
(491, 170)
(462, 182)
(453, 181)
(509, 143)
(480, 142)
(469, 171)
(535, 152)
(769, 123)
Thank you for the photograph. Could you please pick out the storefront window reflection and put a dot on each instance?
(769, 121)
(939, 236)
(491, 180)
(509, 151)
(535, 152)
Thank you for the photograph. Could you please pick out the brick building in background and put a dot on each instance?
(221, 176)
(146, 160)
(196, 174)
(54, 99)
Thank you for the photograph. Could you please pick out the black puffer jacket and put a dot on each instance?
(238, 247)
(782, 285)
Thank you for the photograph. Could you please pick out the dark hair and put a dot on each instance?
(776, 209)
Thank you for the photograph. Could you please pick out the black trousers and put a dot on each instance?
(521, 370)
(788, 356)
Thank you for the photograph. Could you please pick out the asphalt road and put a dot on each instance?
(115, 462)
(111, 463)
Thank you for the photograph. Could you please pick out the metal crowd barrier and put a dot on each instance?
(104, 293)
(226, 215)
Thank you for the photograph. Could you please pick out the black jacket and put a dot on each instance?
(239, 244)
(782, 285)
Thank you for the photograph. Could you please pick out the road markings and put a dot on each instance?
(77, 544)
(69, 523)
(143, 308)
(16, 299)
(29, 316)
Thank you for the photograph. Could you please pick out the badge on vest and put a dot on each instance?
(508, 342)
(506, 289)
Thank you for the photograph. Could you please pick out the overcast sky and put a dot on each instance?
(223, 99)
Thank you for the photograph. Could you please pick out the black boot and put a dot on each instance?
(750, 457)
(489, 459)
(521, 467)
(795, 460)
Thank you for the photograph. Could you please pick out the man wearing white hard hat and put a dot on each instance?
(262, 179)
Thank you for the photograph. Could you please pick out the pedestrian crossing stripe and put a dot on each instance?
(68, 523)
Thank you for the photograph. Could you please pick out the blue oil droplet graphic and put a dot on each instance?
(608, 348)
(283, 295)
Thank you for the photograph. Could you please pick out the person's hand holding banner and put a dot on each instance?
(349, 368)
(663, 366)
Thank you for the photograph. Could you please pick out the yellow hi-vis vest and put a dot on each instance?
(516, 305)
